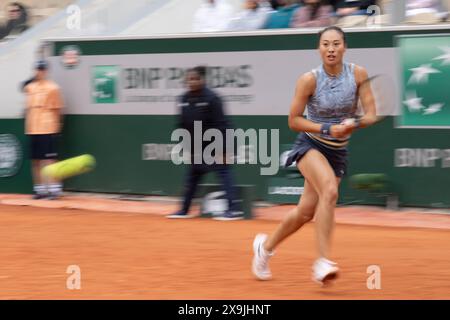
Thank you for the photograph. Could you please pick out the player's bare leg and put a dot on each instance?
(297, 217)
(263, 245)
(316, 169)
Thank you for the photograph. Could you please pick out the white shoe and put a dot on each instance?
(324, 271)
(260, 264)
(179, 215)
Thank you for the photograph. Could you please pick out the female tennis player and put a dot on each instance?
(330, 93)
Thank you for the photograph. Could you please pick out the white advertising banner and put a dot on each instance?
(251, 83)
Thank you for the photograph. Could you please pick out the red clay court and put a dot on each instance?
(129, 250)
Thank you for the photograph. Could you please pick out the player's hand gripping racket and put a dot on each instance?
(383, 90)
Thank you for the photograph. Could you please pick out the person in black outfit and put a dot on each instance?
(200, 104)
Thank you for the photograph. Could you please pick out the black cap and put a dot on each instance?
(42, 65)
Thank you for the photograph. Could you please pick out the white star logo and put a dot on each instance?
(111, 74)
(413, 103)
(445, 57)
(420, 74)
(433, 108)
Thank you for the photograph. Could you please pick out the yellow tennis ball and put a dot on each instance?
(70, 167)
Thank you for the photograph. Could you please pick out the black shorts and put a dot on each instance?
(336, 158)
(44, 146)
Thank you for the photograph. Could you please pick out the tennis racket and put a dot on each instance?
(384, 91)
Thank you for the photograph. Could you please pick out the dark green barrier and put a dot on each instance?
(15, 171)
(116, 142)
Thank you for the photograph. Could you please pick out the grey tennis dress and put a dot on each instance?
(335, 99)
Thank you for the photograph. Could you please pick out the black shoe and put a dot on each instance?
(38, 196)
(230, 216)
(53, 196)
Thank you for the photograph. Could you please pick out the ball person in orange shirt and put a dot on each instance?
(43, 126)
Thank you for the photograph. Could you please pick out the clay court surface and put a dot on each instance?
(132, 252)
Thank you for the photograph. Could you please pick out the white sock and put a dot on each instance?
(39, 189)
(55, 188)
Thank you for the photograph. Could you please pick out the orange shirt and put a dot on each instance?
(44, 104)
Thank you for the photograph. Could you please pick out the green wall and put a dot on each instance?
(21, 182)
(116, 142)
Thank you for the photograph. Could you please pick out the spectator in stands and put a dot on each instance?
(252, 17)
(425, 10)
(17, 20)
(313, 13)
(212, 16)
(274, 4)
(345, 8)
(282, 17)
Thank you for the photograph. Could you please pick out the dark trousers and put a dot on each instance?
(194, 176)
